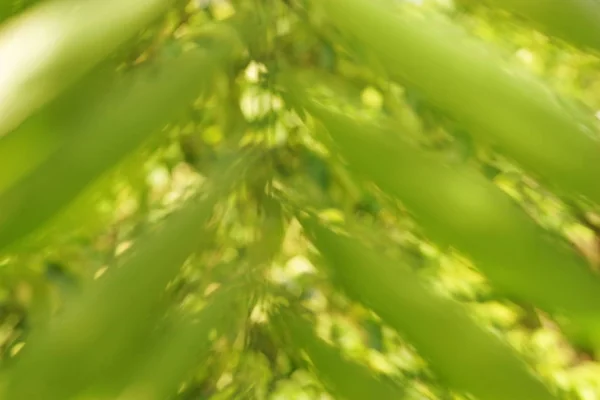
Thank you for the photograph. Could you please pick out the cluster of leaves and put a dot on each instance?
(299, 199)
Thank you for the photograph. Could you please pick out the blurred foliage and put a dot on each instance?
(299, 199)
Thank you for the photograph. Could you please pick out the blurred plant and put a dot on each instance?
(299, 199)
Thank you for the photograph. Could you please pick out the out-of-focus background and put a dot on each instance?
(299, 199)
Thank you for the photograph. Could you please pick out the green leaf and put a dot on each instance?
(343, 377)
(114, 126)
(43, 133)
(459, 207)
(576, 21)
(465, 356)
(50, 46)
(110, 322)
(6, 9)
(472, 82)
(187, 343)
